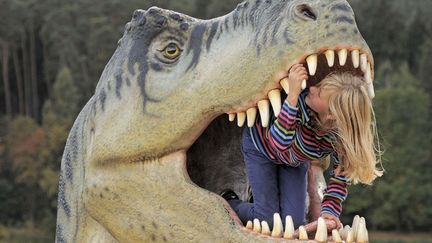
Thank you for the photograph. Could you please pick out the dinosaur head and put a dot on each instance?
(172, 75)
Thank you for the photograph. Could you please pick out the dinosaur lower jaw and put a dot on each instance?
(319, 65)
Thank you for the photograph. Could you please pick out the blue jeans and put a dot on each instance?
(275, 188)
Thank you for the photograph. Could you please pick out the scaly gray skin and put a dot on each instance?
(123, 174)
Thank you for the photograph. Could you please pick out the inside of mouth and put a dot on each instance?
(215, 162)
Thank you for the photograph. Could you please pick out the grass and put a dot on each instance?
(24, 235)
(396, 237)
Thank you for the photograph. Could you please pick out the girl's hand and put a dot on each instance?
(296, 75)
(332, 217)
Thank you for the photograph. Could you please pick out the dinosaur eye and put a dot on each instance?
(171, 51)
(306, 11)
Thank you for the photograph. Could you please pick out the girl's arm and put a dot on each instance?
(336, 191)
(281, 133)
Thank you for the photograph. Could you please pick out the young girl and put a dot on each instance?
(333, 118)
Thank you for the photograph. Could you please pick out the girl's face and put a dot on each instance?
(318, 101)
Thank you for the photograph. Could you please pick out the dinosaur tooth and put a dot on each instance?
(369, 81)
(241, 118)
(256, 226)
(344, 232)
(342, 54)
(231, 117)
(336, 236)
(275, 100)
(263, 107)
(363, 62)
(362, 233)
(277, 226)
(289, 228)
(251, 116)
(371, 90)
(285, 85)
(249, 225)
(302, 233)
(355, 57)
(312, 62)
(303, 84)
(330, 56)
(349, 236)
(265, 228)
(321, 233)
(355, 224)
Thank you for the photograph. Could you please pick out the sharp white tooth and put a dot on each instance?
(263, 107)
(363, 62)
(344, 232)
(251, 116)
(277, 226)
(369, 81)
(368, 74)
(321, 233)
(355, 56)
(303, 85)
(342, 54)
(355, 224)
(330, 56)
(231, 117)
(289, 228)
(275, 100)
(285, 85)
(302, 233)
(241, 118)
(265, 228)
(371, 91)
(312, 62)
(256, 226)
(249, 225)
(336, 236)
(350, 236)
(362, 233)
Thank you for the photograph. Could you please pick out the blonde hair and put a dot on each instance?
(354, 127)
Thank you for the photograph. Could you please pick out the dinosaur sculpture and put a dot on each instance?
(135, 168)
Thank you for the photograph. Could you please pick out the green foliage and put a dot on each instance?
(401, 199)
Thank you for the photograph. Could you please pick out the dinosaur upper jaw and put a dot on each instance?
(319, 64)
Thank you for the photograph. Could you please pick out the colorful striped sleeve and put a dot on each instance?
(336, 191)
(281, 133)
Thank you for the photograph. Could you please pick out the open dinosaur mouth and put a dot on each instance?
(215, 162)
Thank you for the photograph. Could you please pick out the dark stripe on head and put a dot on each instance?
(195, 44)
(156, 66)
(235, 18)
(226, 24)
(275, 30)
(213, 30)
(119, 82)
(345, 19)
(59, 234)
(253, 12)
(342, 7)
(102, 98)
(287, 38)
(62, 197)
(140, 42)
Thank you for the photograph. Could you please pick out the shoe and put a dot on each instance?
(229, 194)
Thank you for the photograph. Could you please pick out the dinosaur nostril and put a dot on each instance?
(306, 11)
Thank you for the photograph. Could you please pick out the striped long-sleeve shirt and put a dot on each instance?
(291, 139)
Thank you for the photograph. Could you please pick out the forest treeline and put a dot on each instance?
(52, 53)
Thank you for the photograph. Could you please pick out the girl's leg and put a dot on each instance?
(293, 189)
(262, 175)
